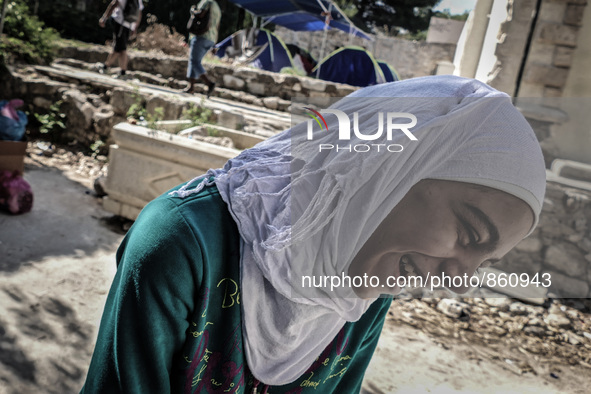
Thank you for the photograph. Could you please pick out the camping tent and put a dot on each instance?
(390, 73)
(257, 47)
(301, 14)
(351, 65)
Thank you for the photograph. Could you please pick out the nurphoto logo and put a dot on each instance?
(393, 125)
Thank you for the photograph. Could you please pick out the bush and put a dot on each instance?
(74, 19)
(26, 38)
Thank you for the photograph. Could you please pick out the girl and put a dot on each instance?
(217, 288)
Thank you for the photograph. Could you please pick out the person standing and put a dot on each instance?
(126, 18)
(200, 44)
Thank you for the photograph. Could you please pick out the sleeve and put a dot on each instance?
(147, 310)
(374, 319)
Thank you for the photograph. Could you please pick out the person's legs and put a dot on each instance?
(192, 73)
(120, 37)
(113, 55)
(198, 49)
(209, 82)
(123, 61)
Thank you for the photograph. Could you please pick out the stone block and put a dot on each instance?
(256, 88)
(271, 102)
(78, 111)
(233, 82)
(554, 33)
(574, 14)
(563, 56)
(541, 53)
(545, 76)
(145, 163)
(531, 89)
(552, 92)
(42, 102)
(345, 90)
(530, 245)
(231, 120)
(567, 259)
(318, 95)
(121, 100)
(565, 286)
(246, 73)
(574, 170)
(172, 108)
(103, 120)
(316, 85)
(552, 12)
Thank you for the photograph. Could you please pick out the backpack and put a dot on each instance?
(199, 22)
(131, 11)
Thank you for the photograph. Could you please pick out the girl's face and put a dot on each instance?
(442, 227)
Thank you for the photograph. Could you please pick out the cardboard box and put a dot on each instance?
(12, 155)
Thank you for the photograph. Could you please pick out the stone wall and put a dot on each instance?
(253, 81)
(551, 52)
(409, 58)
(535, 51)
(551, 46)
(512, 41)
(561, 244)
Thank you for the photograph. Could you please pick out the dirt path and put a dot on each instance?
(55, 268)
(409, 361)
(56, 264)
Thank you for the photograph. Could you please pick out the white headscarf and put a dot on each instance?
(466, 131)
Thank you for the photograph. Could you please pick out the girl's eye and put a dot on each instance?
(468, 235)
(473, 235)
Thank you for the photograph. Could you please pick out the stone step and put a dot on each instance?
(255, 117)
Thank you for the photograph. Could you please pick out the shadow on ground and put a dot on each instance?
(56, 265)
(63, 222)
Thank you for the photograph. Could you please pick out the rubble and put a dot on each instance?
(531, 337)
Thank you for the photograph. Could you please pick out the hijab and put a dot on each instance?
(302, 210)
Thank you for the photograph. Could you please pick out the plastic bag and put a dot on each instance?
(12, 122)
(16, 195)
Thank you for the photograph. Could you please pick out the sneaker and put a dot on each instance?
(123, 77)
(210, 89)
(100, 68)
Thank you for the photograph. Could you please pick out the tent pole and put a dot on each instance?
(324, 36)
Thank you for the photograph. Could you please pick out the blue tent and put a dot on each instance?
(351, 65)
(390, 73)
(301, 14)
(260, 48)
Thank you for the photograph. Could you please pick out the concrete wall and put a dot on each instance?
(409, 58)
